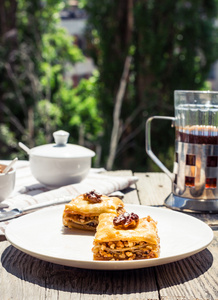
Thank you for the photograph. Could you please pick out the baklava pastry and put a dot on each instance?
(83, 212)
(125, 237)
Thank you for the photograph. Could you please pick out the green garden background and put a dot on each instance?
(142, 50)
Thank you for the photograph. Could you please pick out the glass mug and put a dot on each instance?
(195, 173)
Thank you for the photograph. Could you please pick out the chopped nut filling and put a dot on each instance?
(82, 218)
(124, 250)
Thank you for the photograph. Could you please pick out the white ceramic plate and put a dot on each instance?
(42, 235)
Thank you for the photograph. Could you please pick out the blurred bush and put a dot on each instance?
(35, 97)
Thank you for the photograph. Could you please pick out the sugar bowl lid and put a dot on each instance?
(61, 149)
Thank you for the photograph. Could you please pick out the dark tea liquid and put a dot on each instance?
(198, 135)
(207, 135)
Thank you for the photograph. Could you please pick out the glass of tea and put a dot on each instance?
(195, 173)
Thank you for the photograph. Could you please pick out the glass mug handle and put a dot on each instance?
(148, 146)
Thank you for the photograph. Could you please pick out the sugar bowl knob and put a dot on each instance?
(61, 137)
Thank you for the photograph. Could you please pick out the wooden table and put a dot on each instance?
(24, 277)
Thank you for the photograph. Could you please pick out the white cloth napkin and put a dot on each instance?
(28, 191)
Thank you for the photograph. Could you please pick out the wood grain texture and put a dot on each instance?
(153, 188)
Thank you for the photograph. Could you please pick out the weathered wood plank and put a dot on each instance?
(153, 188)
(14, 283)
(129, 284)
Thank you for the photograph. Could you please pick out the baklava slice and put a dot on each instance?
(126, 237)
(83, 212)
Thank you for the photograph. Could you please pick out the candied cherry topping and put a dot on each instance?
(126, 220)
(93, 197)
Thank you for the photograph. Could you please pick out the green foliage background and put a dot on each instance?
(173, 45)
(36, 99)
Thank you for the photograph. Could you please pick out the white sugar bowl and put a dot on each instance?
(60, 163)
